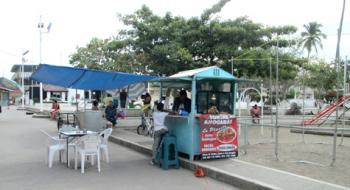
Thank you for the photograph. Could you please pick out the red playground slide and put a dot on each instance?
(327, 111)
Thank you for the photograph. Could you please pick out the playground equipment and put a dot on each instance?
(327, 111)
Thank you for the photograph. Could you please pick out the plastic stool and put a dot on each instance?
(167, 155)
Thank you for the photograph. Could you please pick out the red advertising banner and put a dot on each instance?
(218, 136)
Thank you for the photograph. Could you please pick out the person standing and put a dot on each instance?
(159, 130)
(94, 105)
(123, 96)
(182, 103)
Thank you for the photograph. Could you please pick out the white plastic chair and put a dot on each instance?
(88, 145)
(104, 135)
(54, 145)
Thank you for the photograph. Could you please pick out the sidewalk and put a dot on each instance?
(238, 173)
(245, 174)
(22, 164)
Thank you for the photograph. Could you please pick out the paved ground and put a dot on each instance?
(297, 159)
(22, 164)
(236, 171)
(310, 158)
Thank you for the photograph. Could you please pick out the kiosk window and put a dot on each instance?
(223, 101)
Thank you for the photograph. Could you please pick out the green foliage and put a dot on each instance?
(169, 44)
(291, 93)
(214, 9)
(91, 56)
(311, 38)
(321, 76)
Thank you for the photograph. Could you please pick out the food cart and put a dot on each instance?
(210, 130)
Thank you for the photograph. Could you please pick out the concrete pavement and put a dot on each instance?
(22, 164)
(238, 173)
(232, 171)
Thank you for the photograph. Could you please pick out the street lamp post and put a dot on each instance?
(41, 26)
(22, 69)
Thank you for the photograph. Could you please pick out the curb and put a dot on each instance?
(324, 133)
(214, 173)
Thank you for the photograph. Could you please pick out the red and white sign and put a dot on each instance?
(218, 136)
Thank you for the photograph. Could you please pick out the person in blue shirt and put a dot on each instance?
(182, 103)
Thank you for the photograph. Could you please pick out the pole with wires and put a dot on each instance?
(22, 71)
(277, 95)
(303, 108)
(270, 95)
(345, 93)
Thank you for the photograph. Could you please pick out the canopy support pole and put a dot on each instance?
(76, 99)
(161, 91)
(84, 101)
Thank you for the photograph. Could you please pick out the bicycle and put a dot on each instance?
(146, 128)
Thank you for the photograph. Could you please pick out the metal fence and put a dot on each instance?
(289, 134)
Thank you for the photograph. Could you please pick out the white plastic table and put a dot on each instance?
(72, 135)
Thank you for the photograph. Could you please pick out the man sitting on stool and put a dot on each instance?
(255, 113)
(159, 130)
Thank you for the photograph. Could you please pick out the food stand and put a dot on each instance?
(204, 134)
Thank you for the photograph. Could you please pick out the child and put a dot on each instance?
(159, 130)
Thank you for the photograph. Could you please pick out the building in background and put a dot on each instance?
(4, 96)
(32, 88)
(10, 92)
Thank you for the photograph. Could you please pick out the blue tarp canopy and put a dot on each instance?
(85, 79)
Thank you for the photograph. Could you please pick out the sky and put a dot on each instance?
(76, 22)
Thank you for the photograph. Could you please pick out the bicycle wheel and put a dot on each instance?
(142, 130)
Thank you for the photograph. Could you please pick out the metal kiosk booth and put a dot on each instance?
(209, 131)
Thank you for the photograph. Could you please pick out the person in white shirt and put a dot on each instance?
(159, 129)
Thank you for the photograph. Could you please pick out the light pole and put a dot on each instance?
(41, 26)
(23, 60)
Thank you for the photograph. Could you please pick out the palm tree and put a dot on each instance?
(311, 38)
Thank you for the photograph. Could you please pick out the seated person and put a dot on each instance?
(255, 113)
(111, 113)
(55, 109)
(182, 103)
(159, 129)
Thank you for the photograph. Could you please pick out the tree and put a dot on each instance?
(312, 37)
(320, 77)
(92, 56)
(107, 54)
(168, 44)
(172, 44)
